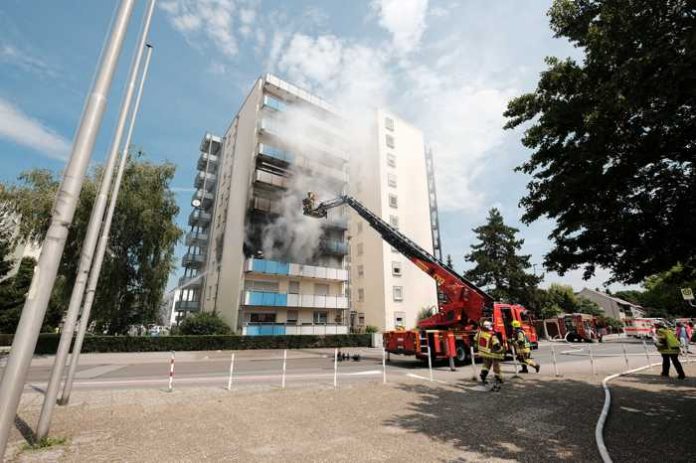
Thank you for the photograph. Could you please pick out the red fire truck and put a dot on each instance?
(449, 333)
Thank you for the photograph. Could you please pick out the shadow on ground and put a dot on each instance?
(534, 420)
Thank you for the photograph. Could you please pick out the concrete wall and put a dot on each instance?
(370, 175)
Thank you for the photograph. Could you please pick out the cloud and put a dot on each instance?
(25, 61)
(213, 19)
(405, 21)
(26, 131)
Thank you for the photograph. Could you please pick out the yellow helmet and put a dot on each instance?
(516, 324)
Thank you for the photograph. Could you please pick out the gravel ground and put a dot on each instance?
(531, 420)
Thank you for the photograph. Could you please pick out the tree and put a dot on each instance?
(6, 232)
(498, 266)
(614, 139)
(426, 312)
(140, 253)
(562, 296)
(587, 306)
(204, 323)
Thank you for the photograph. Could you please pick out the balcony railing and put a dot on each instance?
(199, 217)
(269, 299)
(209, 160)
(275, 329)
(302, 162)
(190, 282)
(206, 198)
(265, 205)
(196, 239)
(205, 177)
(274, 103)
(211, 143)
(272, 267)
(271, 179)
(193, 260)
(334, 247)
(186, 305)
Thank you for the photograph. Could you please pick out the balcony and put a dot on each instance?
(311, 301)
(339, 248)
(274, 103)
(181, 306)
(276, 329)
(199, 217)
(190, 282)
(270, 179)
(207, 178)
(303, 162)
(211, 143)
(265, 205)
(207, 160)
(193, 260)
(275, 153)
(199, 239)
(206, 198)
(271, 267)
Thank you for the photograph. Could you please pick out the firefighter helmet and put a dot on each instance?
(516, 324)
(487, 325)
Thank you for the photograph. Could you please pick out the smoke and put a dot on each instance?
(292, 236)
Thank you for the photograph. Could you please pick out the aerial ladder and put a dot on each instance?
(448, 333)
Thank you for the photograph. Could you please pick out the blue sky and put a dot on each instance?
(449, 67)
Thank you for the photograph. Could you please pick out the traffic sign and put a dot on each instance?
(687, 294)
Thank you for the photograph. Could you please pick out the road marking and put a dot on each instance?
(362, 373)
(413, 375)
(98, 371)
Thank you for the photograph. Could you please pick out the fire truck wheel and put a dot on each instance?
(462, 354)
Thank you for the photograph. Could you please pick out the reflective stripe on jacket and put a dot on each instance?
(521, 341)
(666, 341)
(489, 345)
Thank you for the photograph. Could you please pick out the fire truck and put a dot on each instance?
(448, 334)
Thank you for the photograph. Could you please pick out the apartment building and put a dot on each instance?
(253, 257)
(392, 179)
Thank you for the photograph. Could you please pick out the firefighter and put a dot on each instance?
(492, 351)
(668, 345)
(522, 348)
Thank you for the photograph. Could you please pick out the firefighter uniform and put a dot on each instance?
(492, 352)
(523, 348)
(668, 345)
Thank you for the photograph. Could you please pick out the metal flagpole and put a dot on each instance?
(63, 211)
(103, 241)
(90, 241)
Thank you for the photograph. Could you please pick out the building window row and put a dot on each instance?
(389, 140)
(391, 180)
(393, 201)
(398, 293)
(389, 123)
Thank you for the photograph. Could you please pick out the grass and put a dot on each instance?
(45, 443)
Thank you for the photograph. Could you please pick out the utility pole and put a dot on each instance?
(90, 241)
(46, 270)
(103, 242)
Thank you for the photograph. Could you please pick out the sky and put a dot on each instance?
(448, 67)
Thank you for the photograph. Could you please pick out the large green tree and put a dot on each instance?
(140, 253)
(498, 266)
(613, 138)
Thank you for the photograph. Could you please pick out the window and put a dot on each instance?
(389, 140)
(360, 249)
(399, 319)
(361, 295)
(294, 287)
(394, 221)
(391, 180)
(398, 292)
(361, 319)
(210, 290)
(262, 318)
(391, 160)
(389, 123)
(396, 268)
(321, 289)
(393, 201)
(361, 270)
(258, 285)
(360, 225)
(292, 317)
(320, 318)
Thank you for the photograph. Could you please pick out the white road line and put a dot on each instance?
(98, 371)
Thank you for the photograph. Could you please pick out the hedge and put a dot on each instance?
(48, 342)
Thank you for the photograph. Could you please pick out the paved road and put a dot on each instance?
(264, 367)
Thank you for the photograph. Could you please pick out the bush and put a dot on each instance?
(369, 329)
(48, 342)
(203, 323)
